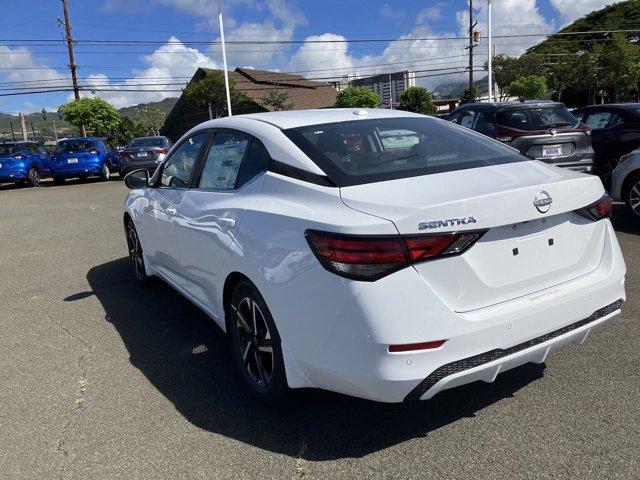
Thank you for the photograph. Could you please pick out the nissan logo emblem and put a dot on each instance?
(543, 201)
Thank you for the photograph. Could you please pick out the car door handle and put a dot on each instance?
(171, 211)
(227, 222)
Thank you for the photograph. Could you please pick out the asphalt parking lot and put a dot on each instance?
(101, 378)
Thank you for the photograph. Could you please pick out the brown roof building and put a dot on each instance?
(302, 93)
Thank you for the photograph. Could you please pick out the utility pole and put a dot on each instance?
(33, 130)
(13, 135)
(23, 127)
(224, 59)
(72, 60)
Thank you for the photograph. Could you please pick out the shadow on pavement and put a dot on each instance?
(165, 335)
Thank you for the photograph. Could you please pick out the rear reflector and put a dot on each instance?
(408, 347)
(370, 257)
(597, 210)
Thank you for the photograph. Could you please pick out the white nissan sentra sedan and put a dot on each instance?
(376, 253)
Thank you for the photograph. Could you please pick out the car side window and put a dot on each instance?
(486, 123)
(31, 148)
(598, 120)
(223, 161)
(42, 150)
(178, 168)
(256, 161)
(466, 120)
(615, 119)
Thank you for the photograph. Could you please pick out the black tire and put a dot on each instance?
(58, 180)
(33, 177)
(135, 253)
(255, 345)
(105, 174)
(631, 195)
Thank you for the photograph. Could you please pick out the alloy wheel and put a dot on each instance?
(106, 173)
(135, 252)
(634, 198)
(34, 177)
(255, 342)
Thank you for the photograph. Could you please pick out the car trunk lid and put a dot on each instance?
(550, 148)
(523, 250)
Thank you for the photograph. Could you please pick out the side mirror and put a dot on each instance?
(137, 179)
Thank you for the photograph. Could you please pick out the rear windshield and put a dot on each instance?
(7, 149)
(365, 151)
(147, 142)
(75, 145)
(532, 119)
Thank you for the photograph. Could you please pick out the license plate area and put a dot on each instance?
(142, 154)
(72, 160)
(552, 151)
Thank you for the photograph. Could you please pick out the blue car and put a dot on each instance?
(84, 157)
(24, 163)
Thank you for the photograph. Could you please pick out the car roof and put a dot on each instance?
(74, 139)
(514, 104)
(626, 106)
(16, 142)
(303, 118)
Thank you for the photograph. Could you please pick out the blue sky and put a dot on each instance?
(178, 35)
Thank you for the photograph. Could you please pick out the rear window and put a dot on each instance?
(147, 142)
(533, 119)
(7, 149)
(75, 145)
(375, 150)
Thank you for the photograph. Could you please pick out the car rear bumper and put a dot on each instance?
(77, 170)
(12, 175)
(487, 365)
(344, 345)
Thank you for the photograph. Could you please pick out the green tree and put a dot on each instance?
(97, 115)
(530, 87)
(417, 100)
(211, 89)
(618, 69)
(469, 94)
(357, 97)
(127, 130)
(277, 100)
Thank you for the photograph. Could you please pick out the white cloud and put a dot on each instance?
(20, 65)
(429, 13)
(169, 64)
(571, 10)
(314, 56)
(389, 11)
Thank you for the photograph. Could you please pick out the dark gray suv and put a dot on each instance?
(541, 129)
(144, 152)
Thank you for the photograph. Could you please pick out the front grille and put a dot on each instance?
(482, 358)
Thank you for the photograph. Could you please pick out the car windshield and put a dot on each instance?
(532, 119)
(147, 142)
(75, 145)
(7, 149)
(365, 151)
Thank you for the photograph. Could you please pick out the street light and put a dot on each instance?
(489, 47)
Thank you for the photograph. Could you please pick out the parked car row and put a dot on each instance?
(24, 162)
(599, 139)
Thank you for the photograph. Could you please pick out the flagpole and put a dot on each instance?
(224, 58)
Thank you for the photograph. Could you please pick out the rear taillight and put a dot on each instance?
(93, 151)
(370, 257)
(598, 210)
(162, 150)
(584, 129)
(19, 156)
